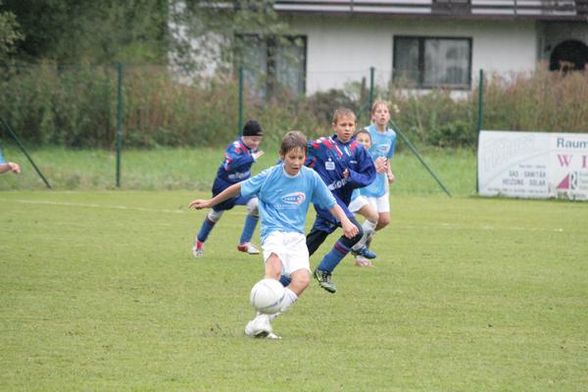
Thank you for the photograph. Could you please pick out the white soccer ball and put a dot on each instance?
(267, 296)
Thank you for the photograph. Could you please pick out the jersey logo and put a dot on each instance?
(330, 165)
(295, 198)
(383, 148)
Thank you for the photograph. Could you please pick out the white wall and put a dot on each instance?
(342, 49)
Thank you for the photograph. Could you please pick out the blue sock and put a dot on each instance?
(334, 257)
(285, 280)
(205, 229)
(248, 228)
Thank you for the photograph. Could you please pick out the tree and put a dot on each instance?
(72, 31)
(202, 33)
(9, 33)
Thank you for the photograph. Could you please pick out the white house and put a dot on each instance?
(429, 43)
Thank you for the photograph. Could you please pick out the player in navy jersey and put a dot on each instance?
(344, 165)
(236, 166)
(285, 192)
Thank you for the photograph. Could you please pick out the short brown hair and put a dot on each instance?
(343, 112)
(293, 140)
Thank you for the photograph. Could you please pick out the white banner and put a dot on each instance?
(533, 164)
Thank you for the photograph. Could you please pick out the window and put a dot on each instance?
(452, 2)
(433, 62)
(273, 65)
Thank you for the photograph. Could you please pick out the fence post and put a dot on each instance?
(240, 122)
(480, 119)
(371, 95)
(119, 119)
(421, 160)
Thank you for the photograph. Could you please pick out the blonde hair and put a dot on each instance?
(380, 102)
(343, 112)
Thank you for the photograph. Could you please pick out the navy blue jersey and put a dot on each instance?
(235, 167)
(329, 157)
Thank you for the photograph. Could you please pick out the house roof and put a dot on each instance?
(463, 9)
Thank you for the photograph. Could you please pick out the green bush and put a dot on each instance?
(76, 107)
(452, 134)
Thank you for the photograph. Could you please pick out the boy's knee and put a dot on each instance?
(383, 222)
(302, 280)
(252, 207)
(214, 216)
(372, 217)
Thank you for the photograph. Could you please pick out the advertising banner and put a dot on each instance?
(533, 164)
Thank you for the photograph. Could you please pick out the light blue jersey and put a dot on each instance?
(383, 145)
(284, 199)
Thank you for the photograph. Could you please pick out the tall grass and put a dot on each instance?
(539, 101)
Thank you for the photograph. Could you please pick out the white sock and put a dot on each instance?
(289, 299)
(368, 229)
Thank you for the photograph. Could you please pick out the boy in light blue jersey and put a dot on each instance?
(284, 192)
(362, 206)
(382, 148)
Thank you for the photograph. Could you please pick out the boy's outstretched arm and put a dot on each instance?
(349, 229)
(9, 166)
(231, 191)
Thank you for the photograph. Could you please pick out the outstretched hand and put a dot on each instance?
(198, 204)
(14, 167)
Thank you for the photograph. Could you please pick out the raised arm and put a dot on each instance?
(231, 191)
(9, 166)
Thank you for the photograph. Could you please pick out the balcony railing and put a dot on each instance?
(536, 9)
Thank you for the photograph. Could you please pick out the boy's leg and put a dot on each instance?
(249, 228)
(383, 220)
(361, 205)
(296, 264)
(319, 232)
(283, 252)
(369, 228)
(382, 206)
(260, 326)
(330, 261)
(211, 219)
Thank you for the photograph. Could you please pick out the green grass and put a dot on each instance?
(98, 291)
(181, 169)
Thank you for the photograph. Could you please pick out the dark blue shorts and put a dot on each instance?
(229, 204)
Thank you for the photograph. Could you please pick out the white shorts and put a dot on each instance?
(290, 248)
(380, 204)
(358, 203)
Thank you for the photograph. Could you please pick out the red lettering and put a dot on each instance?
(564, 160)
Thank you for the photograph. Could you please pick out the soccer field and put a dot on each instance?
(99, 291)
